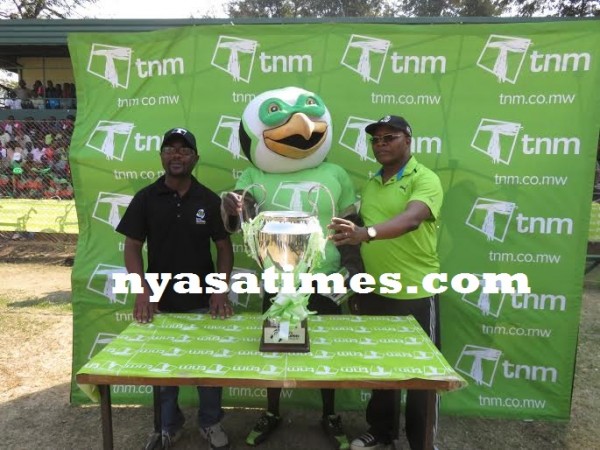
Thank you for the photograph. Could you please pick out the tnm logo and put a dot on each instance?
(355, 138)
(367, 56)
(111, 138)
(113, 64)
(101, 282)
(499, 139)
(493, 217)
(110, 207)
(479, 364)
(505, 56)
(489, 304)
(236, 56)
(226, 136)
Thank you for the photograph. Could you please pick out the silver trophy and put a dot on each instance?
(286, 243)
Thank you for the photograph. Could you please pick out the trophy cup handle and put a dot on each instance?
(257, 205)
(314, 203)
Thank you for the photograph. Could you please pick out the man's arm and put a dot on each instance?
(219, 303)
(143, 309)
(232, 208)
(410, 219)
(350, 254)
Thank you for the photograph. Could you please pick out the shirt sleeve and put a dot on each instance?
(134, 224)
(428, 189)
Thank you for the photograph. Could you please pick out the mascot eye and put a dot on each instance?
(310, 101)
(273, 112)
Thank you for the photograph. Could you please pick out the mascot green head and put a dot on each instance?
(286, 130)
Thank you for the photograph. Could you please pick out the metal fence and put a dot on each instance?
(36, 191)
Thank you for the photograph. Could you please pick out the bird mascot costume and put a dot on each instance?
(286, 134)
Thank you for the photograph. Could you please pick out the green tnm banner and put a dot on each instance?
(507, 114)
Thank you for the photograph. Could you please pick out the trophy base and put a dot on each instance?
(297, 341)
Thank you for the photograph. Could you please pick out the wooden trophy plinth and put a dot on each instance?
(297, 341)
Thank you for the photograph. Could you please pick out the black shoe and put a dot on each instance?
(332, 425)
(168, 439)
(367, 441)
(263, 428)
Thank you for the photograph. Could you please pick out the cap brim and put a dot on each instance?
(178, 135)
(372, 127)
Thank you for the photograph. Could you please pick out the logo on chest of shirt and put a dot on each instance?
(200, 215)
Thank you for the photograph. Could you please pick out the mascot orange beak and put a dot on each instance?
(298, 138)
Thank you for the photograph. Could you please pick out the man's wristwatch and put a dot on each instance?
(372, 232)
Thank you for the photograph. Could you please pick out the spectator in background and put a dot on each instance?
(52, 102)
(37, 151)
(58, 94)
(10, 150)
(5, 137)
(49, 91)
(49, 130)
(31, 128)
(48, 153)
(60, 163)
(12, 102)
(2, 154)
(15, 153)
(67, 100)
(38, 88)
(68, 124)
(22, 92)
(37, 101)
(9, 125)
(22, 138)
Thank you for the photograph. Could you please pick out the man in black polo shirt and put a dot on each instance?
(178, 217)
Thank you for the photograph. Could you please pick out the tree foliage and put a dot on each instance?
(40, 9)
(305, 8)
(555, 8)
(411, 8)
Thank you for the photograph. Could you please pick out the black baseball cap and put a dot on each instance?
(397, 122)
(186, 135)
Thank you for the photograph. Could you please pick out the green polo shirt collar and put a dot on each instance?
(409, 168)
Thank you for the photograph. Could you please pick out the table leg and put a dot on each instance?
(397, 417)
(106, 414)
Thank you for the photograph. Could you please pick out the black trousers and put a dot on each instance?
(382, 408)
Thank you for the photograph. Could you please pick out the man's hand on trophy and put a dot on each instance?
(347, 232)
(220, 306)
(232, 203)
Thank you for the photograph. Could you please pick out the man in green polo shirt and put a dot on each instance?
(400, 207)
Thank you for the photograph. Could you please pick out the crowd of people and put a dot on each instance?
(51, 96)
(34, 158)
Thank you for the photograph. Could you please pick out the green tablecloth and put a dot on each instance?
(343, 348)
